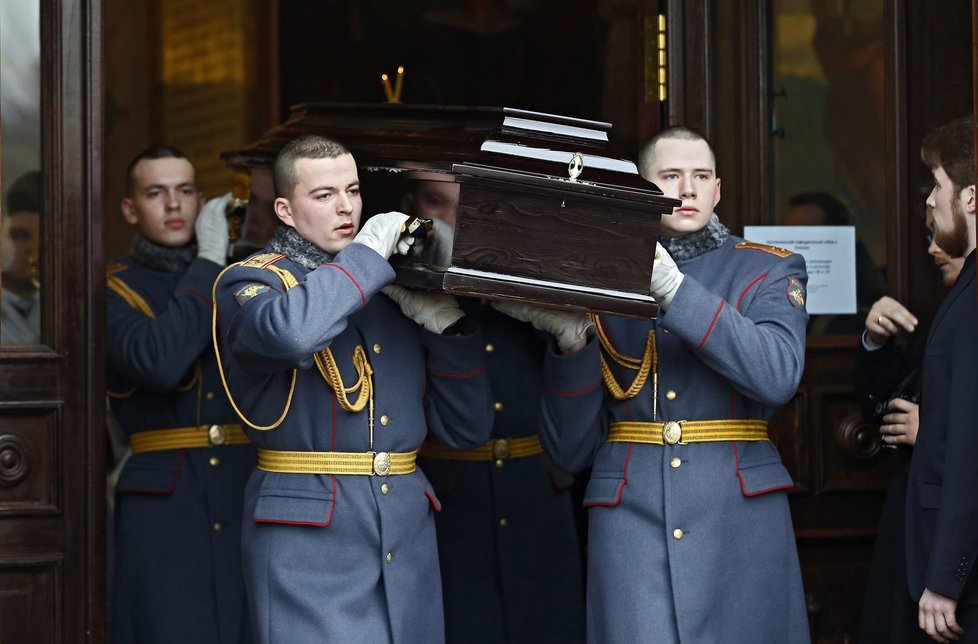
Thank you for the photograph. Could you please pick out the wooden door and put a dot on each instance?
(52, 410)
(916, 58)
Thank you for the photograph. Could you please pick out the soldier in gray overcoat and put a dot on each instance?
(338, 389)
(690, 537)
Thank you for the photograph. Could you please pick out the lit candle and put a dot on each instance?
(387, 88)
(399, 84)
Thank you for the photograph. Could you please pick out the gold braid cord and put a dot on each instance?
(324, 362)
(136, 301)
(331, 374)
(647, 364)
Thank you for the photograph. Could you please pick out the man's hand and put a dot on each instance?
(382, 233)
(666, 278)
(886, 319)
(900, 424)
(935, 616)
(211, 229)
(570, 329)
(434, 311)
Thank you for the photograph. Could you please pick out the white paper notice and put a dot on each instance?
(830, 254)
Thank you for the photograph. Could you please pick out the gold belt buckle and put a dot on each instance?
(672, 432)
(500, 449)
(382, 463)
(216, 435)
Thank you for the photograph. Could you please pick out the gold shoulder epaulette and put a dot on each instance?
(767, 248)
(263, 260)
(112, 269)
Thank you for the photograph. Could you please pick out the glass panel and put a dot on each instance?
(20, 177)
(829, 132)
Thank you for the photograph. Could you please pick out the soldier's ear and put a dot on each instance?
(129, 211)
(968, 196)
(283, 210)
(716, 197)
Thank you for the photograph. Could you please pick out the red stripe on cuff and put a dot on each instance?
(568, 394)
(363, 298)
(713, 323)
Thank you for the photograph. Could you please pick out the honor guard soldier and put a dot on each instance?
(690, 537)
(510, 556)
(177, 574)
(338, 388)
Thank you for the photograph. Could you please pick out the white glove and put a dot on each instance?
(434, 311)
(382, 233)
(666, 278)
(212, 230)
(569, 328)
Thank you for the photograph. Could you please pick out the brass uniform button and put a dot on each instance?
(498, 406)
(490, 348)
(670, 394)
(672, 433)
(385, 488)
(211, 395)
(385, 420)
(500, 463)
(503, 522)
(215, 461)
(678, 534)
(675, 461)
(216, 435)
(218, 526)
(390, 557)
(377, 349)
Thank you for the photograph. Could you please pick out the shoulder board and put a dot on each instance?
(112, 269)
(263, 260)
(771, 250)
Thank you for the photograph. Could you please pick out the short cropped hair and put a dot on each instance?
(952, 147)
(835, 209)
(308, 146)
(25, 193)
(646, 155)
(151, 153)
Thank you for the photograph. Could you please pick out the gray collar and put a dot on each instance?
(710, 237)
(290, 243)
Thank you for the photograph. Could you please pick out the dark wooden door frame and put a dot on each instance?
(52, 409)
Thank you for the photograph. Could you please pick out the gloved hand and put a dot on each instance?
(212, 230)
(666, 278)
(434, 311)
(570, 329)
(382, 233)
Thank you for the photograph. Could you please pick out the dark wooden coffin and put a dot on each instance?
(548, 212)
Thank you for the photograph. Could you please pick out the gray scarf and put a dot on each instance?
(711, 237)
(161, 258)
(290, 243)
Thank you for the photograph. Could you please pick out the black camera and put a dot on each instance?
(882, 408)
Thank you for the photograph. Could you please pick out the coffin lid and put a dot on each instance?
(467, 143)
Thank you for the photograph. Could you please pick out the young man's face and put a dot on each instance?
(435, 200)
(164, 202)
(685, 170)
(949, 266)
(325, 205)
(22, 229)
(951, 232)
